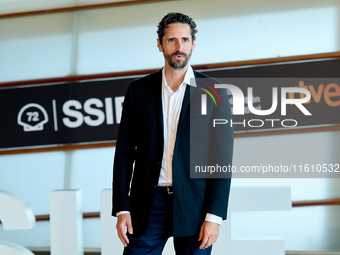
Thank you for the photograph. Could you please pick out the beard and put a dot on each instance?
(177, 64)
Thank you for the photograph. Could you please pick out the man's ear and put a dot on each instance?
(160, 48)
(193, 45)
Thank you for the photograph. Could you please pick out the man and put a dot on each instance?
(153, 195)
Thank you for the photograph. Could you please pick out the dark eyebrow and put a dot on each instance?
(172, 38)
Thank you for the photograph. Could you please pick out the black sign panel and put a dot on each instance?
(320, 77)
(89, 111)
(70, 113)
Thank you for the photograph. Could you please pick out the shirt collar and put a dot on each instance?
(189, 77)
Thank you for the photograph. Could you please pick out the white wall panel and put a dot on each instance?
(110, 40)
(91, 171)
(9, 6)
(39, 236)
(267, 35)
(313, 228)
(35, 47)
(298, 149)
(121, 39)
(32, 176)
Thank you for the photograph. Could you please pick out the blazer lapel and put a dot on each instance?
(158, 97)
(186, 100)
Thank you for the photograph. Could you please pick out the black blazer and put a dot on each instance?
(139, 152)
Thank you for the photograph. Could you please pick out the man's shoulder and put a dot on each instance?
(205, 78)
(200, 75)
(148, 79)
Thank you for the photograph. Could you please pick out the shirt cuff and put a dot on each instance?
(121, 212)
(213, 218)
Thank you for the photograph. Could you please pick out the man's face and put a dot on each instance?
(177, 45)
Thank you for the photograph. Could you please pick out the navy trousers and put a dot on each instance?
(158, 232)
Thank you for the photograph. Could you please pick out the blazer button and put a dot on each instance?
(159, 163)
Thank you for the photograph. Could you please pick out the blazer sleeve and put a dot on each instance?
(221, 153)
(124, 156)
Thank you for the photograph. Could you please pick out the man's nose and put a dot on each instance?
(179, 46)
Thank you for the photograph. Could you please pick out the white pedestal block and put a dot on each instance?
(66, 222)
(110, 241)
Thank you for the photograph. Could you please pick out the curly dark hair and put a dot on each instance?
(175, 17)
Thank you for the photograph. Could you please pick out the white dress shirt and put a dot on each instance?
(172, 105)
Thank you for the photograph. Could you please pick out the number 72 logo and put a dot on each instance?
(32, 117)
